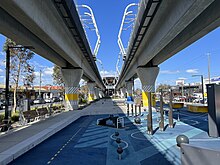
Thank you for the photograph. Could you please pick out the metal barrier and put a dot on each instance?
(197, 155)
(120, 122)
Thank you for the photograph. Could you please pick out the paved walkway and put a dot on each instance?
(19, 140)
(83, 142)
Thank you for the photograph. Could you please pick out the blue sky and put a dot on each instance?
(108, 15)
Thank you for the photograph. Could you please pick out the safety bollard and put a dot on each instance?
(135, 110)
(132, 110)
(139, 109)
(127, 109)
(119, 151)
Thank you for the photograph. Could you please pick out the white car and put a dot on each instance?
(48, 100)
(39, 101)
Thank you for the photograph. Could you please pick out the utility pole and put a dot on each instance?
(201, 76)
(203, 101)
(40, 85)
(208, 54)
(182, 90)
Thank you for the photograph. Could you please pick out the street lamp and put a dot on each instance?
(202, 86)
(6, 120)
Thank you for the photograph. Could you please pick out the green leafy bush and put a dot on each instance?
(15, 118)
(1, 118)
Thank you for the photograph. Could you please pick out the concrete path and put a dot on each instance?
(19, 140)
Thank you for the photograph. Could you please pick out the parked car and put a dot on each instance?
(200, 100)
(48, 100)
(180, 98)
(39, 101)
(55, 99)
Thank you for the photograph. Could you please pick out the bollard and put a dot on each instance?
(116, 133)
(171, 111)
(181, 139)
(127, 109)
(161, 123)
(137, 120)
(132, 110)
(118, 140)
(149, 116)
(119, 151)
(135, 110)
(139, 109)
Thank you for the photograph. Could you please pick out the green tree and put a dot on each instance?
(57, 76)
(20, 69)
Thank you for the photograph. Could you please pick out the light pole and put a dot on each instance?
(208, 54)
(202, 86)
(40, 84)
(7, 70)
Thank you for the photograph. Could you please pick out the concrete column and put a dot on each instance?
(123, 92)
(97, 93)
(71, 78)
(91, 86)
(102, 94)
(148, 78)
(129, 87)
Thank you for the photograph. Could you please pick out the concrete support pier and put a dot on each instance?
(148, 77)
(71, 78)
(96, 93)
(123, 92)
(91, 86)
(129, 87)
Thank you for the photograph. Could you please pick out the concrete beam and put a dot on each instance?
(176, 25)
(11, 28)
(40, 25)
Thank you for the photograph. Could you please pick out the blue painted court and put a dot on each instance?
(84, 142)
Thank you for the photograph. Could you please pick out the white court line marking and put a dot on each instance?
(57, 153)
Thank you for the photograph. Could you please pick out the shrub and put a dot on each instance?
(1, 118)
(84, 101)
(15, 118)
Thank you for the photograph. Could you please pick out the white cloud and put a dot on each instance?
(37, 74)
(46, 76)
(137, 83)
(1, 70)
(2, 63)
(45, 79)
(182, 78)
(108, 73)
(82, 82)
(48, 71)
(2, 53)
(169, 72)
(192, 71)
